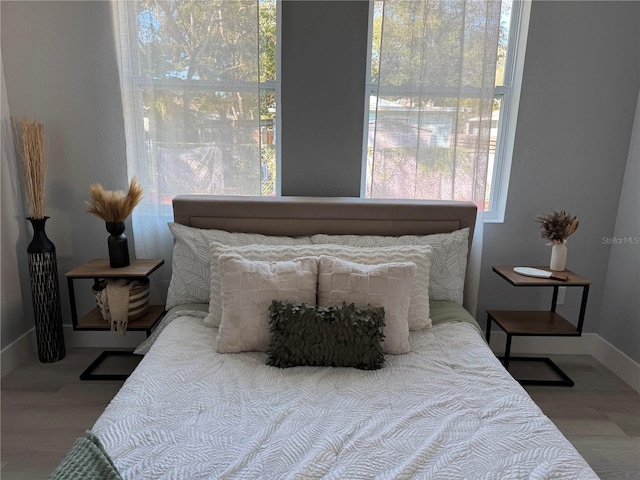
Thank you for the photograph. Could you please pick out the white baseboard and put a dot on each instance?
(588, 344)
(616, 361)
(542, 345)
(101, 339)
(17, 352)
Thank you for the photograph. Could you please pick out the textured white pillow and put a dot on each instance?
(448, 261)
(420, 255)
(386, 285)
(249, 287)
(190, 261)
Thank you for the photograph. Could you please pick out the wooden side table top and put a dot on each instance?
(100, 268)
(518, 280)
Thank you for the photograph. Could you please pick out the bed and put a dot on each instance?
(443, 409)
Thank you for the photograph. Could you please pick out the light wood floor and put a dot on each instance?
(45, 407)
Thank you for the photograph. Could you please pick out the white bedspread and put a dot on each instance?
(447, 410)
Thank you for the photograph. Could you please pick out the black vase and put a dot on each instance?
(43, 271)
(118, 246)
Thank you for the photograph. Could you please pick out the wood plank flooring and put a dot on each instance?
(600, 415)
(45, 407)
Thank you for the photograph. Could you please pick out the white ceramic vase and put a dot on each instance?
(558, 257)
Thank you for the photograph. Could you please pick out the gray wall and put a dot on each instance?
(60, 65)
(620, 311)
(324, 52)
(581, 82)
(15, 321)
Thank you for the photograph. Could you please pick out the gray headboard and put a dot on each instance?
(299, 216)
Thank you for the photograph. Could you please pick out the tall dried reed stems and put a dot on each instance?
(114, 206)
(29, 139)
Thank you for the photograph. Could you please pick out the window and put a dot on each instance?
(201, 91)
(201, 95)
(443, 99)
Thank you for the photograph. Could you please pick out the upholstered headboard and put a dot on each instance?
(299, 216)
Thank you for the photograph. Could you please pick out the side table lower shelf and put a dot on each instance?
(94, 321)
(532, 323)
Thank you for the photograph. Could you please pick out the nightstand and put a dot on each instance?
(538, 323)
(98, 270)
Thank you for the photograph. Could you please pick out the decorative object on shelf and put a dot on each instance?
(43, 265)
(122, 301)
(556, 227)
(114, 207)
(118, 245)
(558, 260)
(538, 273)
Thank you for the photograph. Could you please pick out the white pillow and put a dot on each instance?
(448, 261)
(249, 287)
(386, 285)
(420, 255)
(190, 261)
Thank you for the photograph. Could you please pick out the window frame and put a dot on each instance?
(510, 93)
(275, 85)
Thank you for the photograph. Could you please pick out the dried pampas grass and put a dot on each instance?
(557, 226)
(114, 206)
(29, 141)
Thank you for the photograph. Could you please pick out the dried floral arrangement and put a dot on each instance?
(30, 144)
(557, 226)
(114, 205)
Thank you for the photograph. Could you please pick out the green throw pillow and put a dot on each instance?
(338, 336)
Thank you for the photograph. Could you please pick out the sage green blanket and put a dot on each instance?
(443, 311)
(86, 460)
